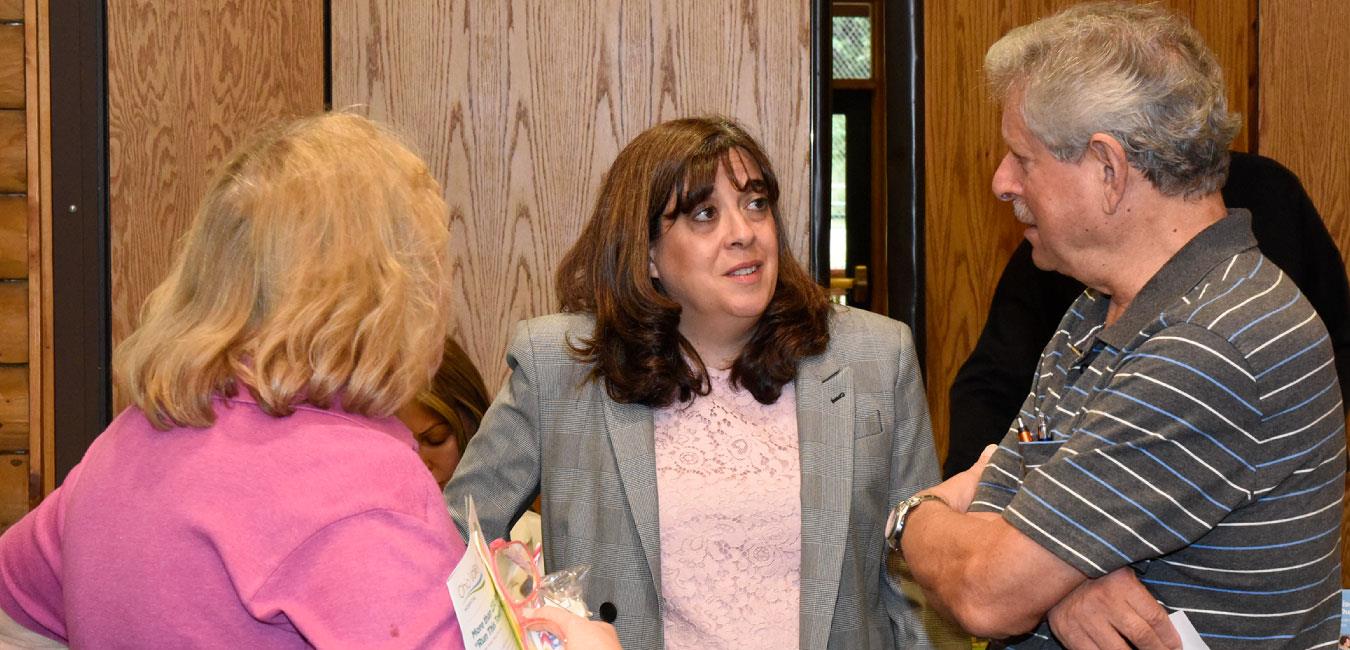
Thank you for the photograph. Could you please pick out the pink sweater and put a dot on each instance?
(322, 528)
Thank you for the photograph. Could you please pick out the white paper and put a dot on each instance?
(483, 620)
(1190, 639)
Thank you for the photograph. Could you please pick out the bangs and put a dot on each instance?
(696, 179)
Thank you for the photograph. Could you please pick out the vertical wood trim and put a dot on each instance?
(42, 459)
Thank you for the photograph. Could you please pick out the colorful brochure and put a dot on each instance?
(484, 617)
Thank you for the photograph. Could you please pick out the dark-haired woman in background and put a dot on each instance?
(445, 415)
(710, 436)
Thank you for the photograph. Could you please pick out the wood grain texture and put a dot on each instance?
(13, 236)
(969, 234)
(1305, 88)
(41, 436)
(13, 488)
(13, 152)
(14, 322)
(520, 106)
(186, 83)
(12, 10)
(11, 66)
(14, 411)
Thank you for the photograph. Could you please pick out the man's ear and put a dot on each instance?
(1108, 160)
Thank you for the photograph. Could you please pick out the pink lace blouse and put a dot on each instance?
(729, 486)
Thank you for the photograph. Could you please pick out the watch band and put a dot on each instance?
(895, 523)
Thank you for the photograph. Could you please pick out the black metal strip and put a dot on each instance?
(904, 165)
(822, 63)
(79, 181)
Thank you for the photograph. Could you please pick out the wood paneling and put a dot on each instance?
(13, 152)
(11, 10)
(520, 106)
(1229, 28)
(1305, 87)
(13, 322)
(14, 410)
(37, 81)
(13, 236)
(13, 488)
(11, 66)
(186, 82)
(969, 234)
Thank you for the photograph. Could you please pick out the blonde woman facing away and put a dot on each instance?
(259, 491)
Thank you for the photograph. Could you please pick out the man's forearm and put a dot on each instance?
(985, 574)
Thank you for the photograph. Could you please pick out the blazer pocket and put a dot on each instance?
(871, 455)
(868, 421)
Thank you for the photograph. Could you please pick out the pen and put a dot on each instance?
(1023, 435)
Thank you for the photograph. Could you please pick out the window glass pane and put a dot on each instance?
(852, 45)
(838, 191)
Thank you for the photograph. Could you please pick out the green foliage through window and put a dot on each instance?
(852, 46)
(838, 191)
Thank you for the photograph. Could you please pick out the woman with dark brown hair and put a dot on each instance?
(714, 439)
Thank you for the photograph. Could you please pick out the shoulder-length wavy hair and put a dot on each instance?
(314, 272)
(636, 347)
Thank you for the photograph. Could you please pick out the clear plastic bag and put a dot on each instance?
(564, 589)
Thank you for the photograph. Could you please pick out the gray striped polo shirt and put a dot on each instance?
(1199, 439)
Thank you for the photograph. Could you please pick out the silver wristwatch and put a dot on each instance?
(895, 524)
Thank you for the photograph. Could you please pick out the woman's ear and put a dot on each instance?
(1108, 156)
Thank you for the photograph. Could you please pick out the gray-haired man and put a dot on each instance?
(1182, 447)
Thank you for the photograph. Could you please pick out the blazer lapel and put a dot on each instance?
(825, 434)
(631, 434)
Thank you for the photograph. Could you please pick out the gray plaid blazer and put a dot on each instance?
(865, 444)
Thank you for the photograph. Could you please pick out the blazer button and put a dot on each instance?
(608, 612)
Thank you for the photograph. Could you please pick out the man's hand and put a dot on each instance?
(959, 490)
(1107, 612)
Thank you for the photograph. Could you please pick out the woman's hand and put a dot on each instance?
(959, 490)
(579, 633)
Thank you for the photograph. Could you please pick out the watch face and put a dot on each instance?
(892, 539)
